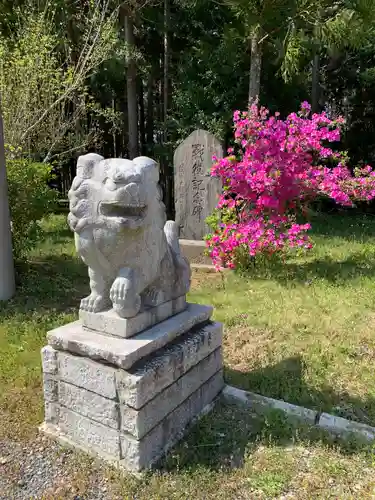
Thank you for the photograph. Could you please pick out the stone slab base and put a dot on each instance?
(194, 251)
(130, 453)
(123, 353)
(111, 323)
(132, 416)
(54, 432)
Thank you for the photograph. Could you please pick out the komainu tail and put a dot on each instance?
(182, 265)
(171, 233)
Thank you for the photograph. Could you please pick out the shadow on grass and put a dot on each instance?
(51, 282)
(349, 226)
(332, 270)
(352, 228)
(223, 439)
(285, 381)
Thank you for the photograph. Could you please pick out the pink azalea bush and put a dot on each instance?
(278, 167)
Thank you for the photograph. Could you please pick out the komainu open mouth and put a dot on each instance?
(124, 211)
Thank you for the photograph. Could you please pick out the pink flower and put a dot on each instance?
(272, 178)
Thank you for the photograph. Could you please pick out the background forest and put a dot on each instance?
(136, 77)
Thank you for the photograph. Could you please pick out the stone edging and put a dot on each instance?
(335, 425)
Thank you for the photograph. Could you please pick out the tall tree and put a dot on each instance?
(303, 26)
(44, 94)
(261, 21)
(255, 64)
(324, 26)
(131, 86)
(166, 63)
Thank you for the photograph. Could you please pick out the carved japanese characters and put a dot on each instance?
(196, 192)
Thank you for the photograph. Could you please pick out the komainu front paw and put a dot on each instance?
(126, 302)
(95, 303)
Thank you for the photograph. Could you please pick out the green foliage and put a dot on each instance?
(221, 216)
(63, 72)
(293, 51)
(325, 26)
(225, 215)
(30, 200)
(211, 78)
(45, 97)
(349, 81)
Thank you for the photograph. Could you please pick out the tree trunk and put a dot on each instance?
(150, 111)
(166, 64)
(255, 66)
(114, 131)
(315, 84)
(142, 129)
(131, 86)
(160, 99)
(7, 281)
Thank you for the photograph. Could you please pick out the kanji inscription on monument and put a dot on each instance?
(196, 192)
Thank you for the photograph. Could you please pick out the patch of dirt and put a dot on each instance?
(245, 346)
(42, 469)
(200, 278)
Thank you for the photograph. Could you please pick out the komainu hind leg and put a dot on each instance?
(154, 296)
(182, 266)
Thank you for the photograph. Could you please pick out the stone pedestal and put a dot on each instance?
(130, 399)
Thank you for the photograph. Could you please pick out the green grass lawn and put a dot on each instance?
(301, 331)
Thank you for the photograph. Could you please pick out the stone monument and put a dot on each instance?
(196, 192)
(141, 363)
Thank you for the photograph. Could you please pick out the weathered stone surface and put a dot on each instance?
(131, 454)
(51, 412)
(195, 252)
(85, 373)
(196, 192)
(138, 455)
(125, 352)
(345, 428)
(121, 233)
(111, 323)
(88, 433)
(50, 387)
(261, 404)
(89, 404)
(140, 422)
(149, 377)
(49, 360)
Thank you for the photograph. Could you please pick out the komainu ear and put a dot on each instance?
(86, 165)
(148, 167)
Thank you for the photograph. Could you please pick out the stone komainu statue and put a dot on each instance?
(121, 234)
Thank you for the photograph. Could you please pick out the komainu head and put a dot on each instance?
(116, 192)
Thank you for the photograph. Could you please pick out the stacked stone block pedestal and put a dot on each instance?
(130, 399)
